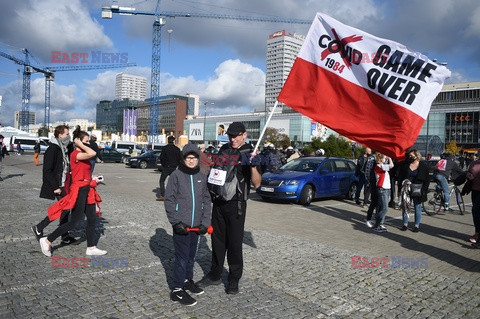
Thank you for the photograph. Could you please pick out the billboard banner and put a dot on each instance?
(222, 128)
(282, 126)
(130, 122)
(195, 132)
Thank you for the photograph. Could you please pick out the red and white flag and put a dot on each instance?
(374, 91)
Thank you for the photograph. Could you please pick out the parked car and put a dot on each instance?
(144, 160)
(304, 179)
(112, 156)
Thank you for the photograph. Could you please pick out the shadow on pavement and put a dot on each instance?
(407, 241)
(12, 176)
(161, 244)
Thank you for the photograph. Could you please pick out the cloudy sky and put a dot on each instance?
(223, 61)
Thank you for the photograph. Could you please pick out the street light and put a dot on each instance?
(205, 122)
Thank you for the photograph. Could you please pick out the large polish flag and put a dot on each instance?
(374, 91)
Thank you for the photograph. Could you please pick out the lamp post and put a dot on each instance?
(205, 122)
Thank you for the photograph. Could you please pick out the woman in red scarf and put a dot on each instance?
(82, 197)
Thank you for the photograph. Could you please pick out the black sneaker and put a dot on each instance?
(182, 297)
(70, 241)
(232, 287)
(37, 234)
(191, 286)
(209, 281)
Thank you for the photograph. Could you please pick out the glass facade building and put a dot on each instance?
(455, 116)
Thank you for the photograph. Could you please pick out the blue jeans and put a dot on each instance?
(418, 215)
(92, 161)
(442, 181)
(383, 199)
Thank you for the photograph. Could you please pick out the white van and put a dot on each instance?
(26, 142)
(124, 147)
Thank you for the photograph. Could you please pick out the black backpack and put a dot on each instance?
(225, 168)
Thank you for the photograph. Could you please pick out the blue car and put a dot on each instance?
(304, 179)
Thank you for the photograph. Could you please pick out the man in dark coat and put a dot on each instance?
(56, 168)
(94, 147)
(228, 217)
(169, 159)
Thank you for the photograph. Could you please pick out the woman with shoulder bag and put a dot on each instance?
(416, 171)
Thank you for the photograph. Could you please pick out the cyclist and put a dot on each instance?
(445, 169)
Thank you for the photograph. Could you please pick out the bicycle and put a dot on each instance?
(435, 199)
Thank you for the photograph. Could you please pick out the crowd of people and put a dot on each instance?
(384, 181)
(196, 202)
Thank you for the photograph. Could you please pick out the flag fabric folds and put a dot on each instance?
(374, 91)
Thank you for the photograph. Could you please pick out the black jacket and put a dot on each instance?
(52, 171)
(94, 146)
(171, 156)
(422, 176)
(36, 148)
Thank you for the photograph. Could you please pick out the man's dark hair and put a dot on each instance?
(171, 139)
(60, 129)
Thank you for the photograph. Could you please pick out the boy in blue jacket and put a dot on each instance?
(188, 205)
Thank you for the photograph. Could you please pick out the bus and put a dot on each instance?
(26, 142)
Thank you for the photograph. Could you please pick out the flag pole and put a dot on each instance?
(265, 127)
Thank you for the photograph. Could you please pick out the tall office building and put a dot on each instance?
(128, 86)
(31, 116)
(282, 50)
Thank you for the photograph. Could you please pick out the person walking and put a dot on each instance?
(169, 159)
(416, 172)
(94, 147)
(360, 173)
(81, 199)
(187, 204)
(384, 164)
(473, 174)
(372, 187)
(19, 148)
(56, 178)
(2, 154)
(228, 216)
(36, 149)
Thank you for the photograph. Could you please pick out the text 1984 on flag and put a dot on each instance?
(374, 91)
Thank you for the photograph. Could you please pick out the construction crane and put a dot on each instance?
(28, 69)
(50, 78)
(108, 11)
(49, 73)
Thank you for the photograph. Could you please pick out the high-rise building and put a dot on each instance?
(282, 50)
(31, 116)
(128, 86)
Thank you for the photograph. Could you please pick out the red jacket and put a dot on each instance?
(68, 202)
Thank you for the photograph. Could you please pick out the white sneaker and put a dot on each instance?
(45, 247)
(370, 223)
(95, 252)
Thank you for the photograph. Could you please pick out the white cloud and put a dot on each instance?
(50, 25)
(61, 96)
(235, 84)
